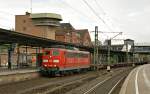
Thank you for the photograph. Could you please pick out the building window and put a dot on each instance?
(24, 28)
(24, 21)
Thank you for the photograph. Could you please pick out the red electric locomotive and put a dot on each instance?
(58, 60)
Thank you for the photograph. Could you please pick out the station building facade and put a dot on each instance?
(38, 24)
(45, 25)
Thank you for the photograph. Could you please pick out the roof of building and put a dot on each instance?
(82, 32)
(142, 44)
(128, 40)
(46, 15)
(65, 28)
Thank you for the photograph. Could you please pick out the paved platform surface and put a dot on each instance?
(4, 72)
(138, 81)
(15, 75)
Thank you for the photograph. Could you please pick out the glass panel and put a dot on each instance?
(55, 53)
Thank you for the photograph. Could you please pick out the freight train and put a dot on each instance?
(61, 61)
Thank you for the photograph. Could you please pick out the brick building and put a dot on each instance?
(67, 33)
(85, 38)
(38, 24)
(47, 25)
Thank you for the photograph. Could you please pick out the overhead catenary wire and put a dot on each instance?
(96, 14)
(76, 10)
(99, 6)
(81, 13)
(105, 14)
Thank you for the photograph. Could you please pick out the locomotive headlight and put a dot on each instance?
(56, 61)
(54, 65)
(45, 60)
(45, 65)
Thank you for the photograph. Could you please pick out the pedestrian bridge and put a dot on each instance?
(142, 49)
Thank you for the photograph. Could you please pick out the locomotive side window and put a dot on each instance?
(85, 55)
(70, 54)
(55, 53)
(81, 55)
(76, 55)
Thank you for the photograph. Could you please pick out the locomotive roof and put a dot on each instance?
(68, 50)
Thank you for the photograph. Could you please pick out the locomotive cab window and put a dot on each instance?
(55, 53)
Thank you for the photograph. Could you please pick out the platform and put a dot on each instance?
(4, 72)
(15, 75)
(138, 81)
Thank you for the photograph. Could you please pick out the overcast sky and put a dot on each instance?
(132, 17)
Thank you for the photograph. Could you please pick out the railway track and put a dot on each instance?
(54, 87)
(62, 88)
(109, 85)
(57, 85)
(38, 83)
